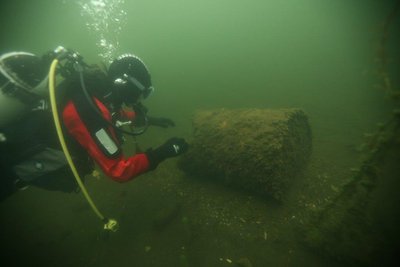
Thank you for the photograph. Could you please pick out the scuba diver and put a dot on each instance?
(94, 106)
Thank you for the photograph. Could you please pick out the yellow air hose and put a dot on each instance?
(109, 224)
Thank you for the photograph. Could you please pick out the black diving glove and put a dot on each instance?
(161, 122)
(171, 148)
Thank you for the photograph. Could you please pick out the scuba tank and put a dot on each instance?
(29, 148)
(23, 83)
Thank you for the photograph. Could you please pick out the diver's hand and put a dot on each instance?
(161, 122)
(171, 148)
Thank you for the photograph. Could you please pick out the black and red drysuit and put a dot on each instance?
(117, 166)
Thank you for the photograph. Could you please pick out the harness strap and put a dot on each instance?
(97, 127)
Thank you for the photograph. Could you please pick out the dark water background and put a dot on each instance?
(319, 55)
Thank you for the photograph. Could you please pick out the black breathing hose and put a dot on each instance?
(79, 68)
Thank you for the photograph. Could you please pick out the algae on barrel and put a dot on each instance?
(259, 150)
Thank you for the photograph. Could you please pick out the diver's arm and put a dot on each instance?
(127, 115)
(161, 122)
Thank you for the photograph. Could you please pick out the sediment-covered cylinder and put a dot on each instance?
(259, 150)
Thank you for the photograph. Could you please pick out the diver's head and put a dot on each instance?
(131, 80)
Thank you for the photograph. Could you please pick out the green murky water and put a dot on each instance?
(320, 56)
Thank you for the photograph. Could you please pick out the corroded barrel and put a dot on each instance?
(259, 150)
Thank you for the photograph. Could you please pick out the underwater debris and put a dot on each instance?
(358, 225)
(382, 55)
(258, 150)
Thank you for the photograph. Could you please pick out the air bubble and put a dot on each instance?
(105, 19)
